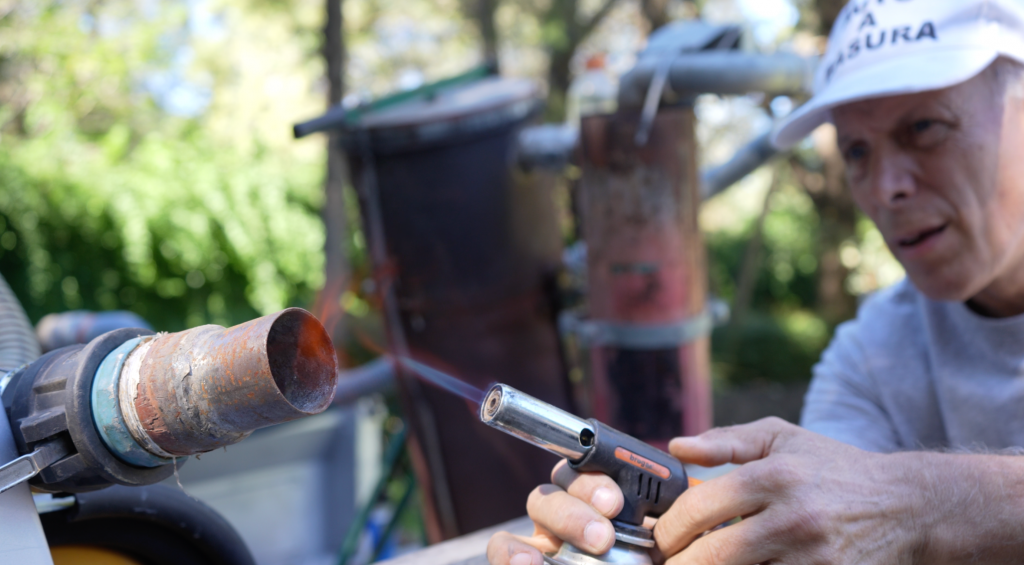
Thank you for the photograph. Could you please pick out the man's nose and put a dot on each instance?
(894, 179)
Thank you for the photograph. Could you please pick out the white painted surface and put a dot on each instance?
(470, 549)
(21, 535)
(290, 491)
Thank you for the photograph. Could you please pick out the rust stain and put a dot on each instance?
(283, 364)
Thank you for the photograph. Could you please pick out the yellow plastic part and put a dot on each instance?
(88, 555)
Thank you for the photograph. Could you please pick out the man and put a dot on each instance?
(903, 455)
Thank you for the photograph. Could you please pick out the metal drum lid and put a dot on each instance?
(450, 114)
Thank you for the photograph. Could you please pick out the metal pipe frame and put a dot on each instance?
(720, 72)
(745, 161)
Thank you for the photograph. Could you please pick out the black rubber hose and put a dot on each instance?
(155, 525)
(18, 343)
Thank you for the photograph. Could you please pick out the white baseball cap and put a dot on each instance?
(889, 47)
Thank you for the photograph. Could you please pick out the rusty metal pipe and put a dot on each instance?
(208, 387)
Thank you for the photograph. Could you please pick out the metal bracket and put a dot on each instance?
(27, 466)
(652, 101)
(7, 377)
(668, 47)
(638, 336)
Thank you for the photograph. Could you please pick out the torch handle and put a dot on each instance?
(650, 479)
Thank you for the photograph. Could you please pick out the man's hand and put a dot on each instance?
(804, 498)
(576, 508)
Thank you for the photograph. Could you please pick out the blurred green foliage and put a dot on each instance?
(116, 194)
(107, 200)
(781, 336)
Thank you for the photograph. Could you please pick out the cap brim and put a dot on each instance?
(919, 72)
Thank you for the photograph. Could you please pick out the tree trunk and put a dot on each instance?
(485, 11)
(828, 11)
(563, 15)
(837, 224)
(333, 212)
(655, 12)
(837, 217)
(559, 78)
(837, 213)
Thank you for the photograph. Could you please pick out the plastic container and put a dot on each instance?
(593, 92)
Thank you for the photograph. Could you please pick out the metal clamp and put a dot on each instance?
(8, 376)
(638, 336)
(27, 466)
(652, 100)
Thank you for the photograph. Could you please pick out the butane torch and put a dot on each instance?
(649, 478)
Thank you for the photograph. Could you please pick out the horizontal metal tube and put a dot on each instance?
(745, 161)
(333, 119)
(377, 376)
(209, 387)
(535, 421)
(721, 72)
(82, 326)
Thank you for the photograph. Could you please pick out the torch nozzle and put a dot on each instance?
(491, 404)
(537, 422)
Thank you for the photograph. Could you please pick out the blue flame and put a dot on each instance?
(444, 380)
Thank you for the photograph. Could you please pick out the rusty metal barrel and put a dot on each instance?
(466, 249)
(648, 321)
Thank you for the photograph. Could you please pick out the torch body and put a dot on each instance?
(650, 479)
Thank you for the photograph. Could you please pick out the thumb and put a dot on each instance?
(735, 444)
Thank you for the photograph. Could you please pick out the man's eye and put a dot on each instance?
(926, 133)
(856, 152)
(921, 126)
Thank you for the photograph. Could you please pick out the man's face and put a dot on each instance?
(942, 175)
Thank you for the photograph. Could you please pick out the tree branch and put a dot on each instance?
(588, 27)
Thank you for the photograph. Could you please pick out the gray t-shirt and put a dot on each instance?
(913, 373)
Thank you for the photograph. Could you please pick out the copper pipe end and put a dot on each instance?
(210, 386)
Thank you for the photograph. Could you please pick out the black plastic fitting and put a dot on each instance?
(50, 399)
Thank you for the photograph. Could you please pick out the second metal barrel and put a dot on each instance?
(472, 252)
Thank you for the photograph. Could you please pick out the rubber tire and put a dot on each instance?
(155, 525)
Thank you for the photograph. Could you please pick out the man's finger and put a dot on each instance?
(704, 507)
(738, 544)
(570, 519)
(506, 549)
(598, 490)
(735, 444)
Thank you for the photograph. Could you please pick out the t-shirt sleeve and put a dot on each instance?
(843, 401)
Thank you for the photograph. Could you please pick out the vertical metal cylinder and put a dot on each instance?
(646, 273)
(472, 252)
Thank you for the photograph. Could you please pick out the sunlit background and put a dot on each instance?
(147, 162)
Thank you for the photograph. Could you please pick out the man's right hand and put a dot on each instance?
(576, 508)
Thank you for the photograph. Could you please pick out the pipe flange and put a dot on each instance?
(106, 410)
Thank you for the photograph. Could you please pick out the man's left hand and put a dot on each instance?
(804, 498)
